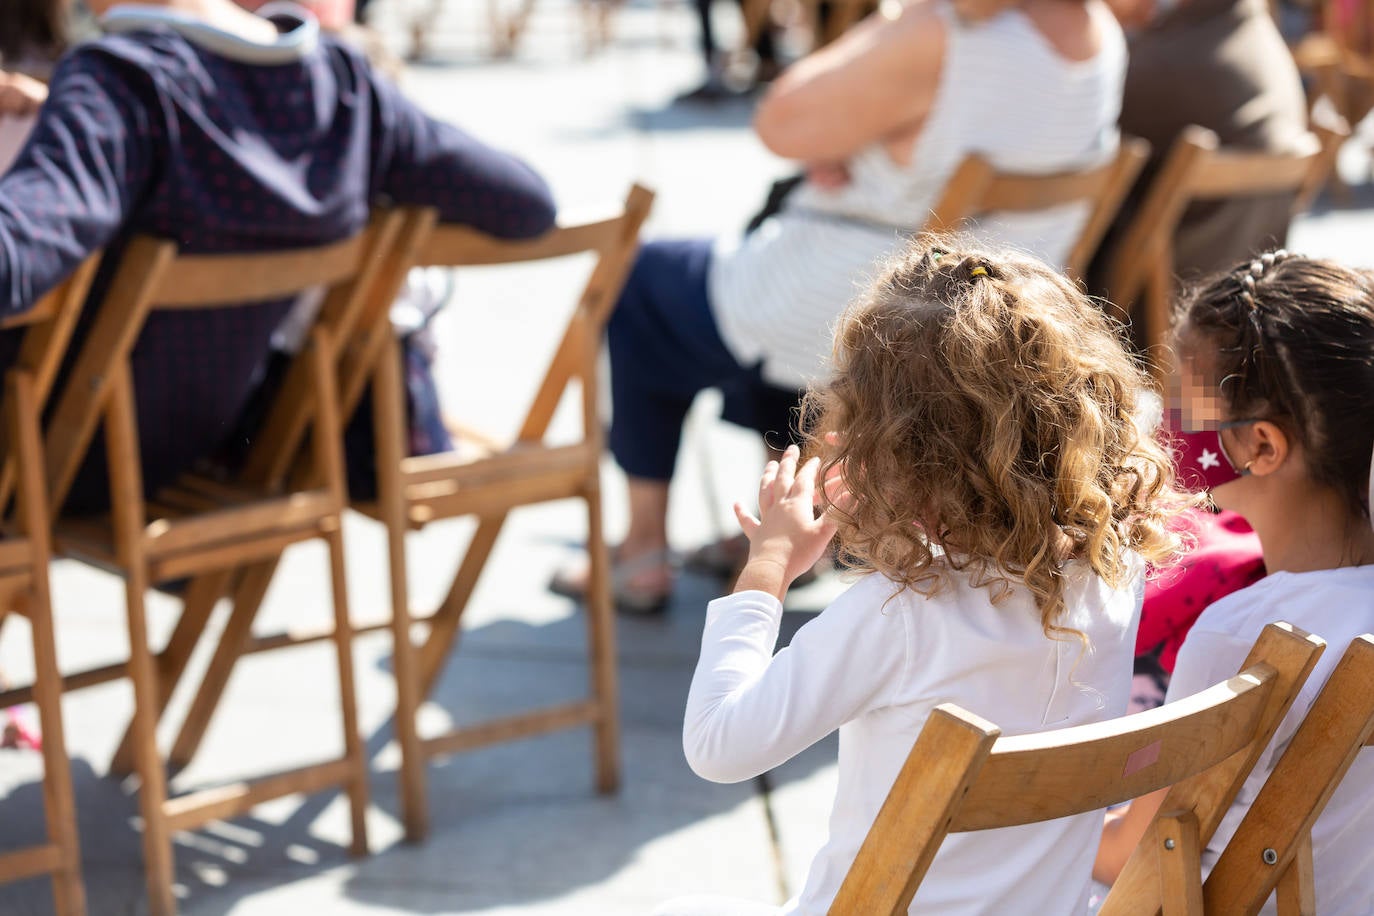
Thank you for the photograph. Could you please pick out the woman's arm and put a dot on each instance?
(87, 162)
(427, 162)
(1121, 835)
(876, 80)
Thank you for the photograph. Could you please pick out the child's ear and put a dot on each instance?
(1269, 447)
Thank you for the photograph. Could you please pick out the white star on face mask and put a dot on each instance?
(1208, 460)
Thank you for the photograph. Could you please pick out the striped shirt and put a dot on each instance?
(1006, 94)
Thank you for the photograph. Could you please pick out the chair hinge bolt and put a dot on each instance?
(1270, 857)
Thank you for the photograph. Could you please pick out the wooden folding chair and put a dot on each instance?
(25, 551)
(209, 530)
(1271, 850)
(976, 188)
(962, 776)
(412, 492)
(1141, 275)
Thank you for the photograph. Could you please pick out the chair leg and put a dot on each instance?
(414, 792)
(1180, 869)
(152, 790)
(353, 739)
(1296, 891)
(388, 398)
(601, 642)
(201, 597)
(69, 897)
(247, 599)
(445, 623)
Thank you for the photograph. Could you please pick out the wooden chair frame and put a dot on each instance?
(416, 491)
(412, 492)
(210, 531)
(1271, 850)
(25, 553)
(976, 188)
(962, 776)
(1141, 275)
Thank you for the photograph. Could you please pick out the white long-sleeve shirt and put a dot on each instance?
(874, 664)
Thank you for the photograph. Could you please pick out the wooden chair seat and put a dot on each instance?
(439, 486)
(181, 541)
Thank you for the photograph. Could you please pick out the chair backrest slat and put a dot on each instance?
(1061, 773)
(615, 241)
(462, 246)
(1333, 733)
(977, 188)
(208, 281)
(1234, 173)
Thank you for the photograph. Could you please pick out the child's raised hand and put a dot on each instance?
(787, 538)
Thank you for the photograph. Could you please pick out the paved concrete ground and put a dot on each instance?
(518, 828)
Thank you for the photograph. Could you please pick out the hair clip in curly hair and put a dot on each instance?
(979, 271)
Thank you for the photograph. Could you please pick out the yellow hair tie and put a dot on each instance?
(978, 272)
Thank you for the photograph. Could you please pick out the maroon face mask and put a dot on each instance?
(1200, 457)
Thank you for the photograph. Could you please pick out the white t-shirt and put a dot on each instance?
(874, 664)
(1337, 605)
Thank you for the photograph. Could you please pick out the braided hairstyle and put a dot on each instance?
(1293, 343)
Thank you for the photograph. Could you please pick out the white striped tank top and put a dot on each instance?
(1006, 94)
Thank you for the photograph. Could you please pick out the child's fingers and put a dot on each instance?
(787, 471)
(805, 482)
(770, 474)
(747, 522)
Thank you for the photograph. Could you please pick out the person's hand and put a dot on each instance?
(787, 537)
(20, 95)
(828, 176)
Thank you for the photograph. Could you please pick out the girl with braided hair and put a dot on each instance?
(1276, 417)
(981, 457)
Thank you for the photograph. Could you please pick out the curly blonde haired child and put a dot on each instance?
(989, 465)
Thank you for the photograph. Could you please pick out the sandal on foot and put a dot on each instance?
(629, 596)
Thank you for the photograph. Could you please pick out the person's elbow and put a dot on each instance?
(782, 127)
(533, 207)
(712, 753)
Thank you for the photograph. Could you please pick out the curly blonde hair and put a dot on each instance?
(985, 417)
